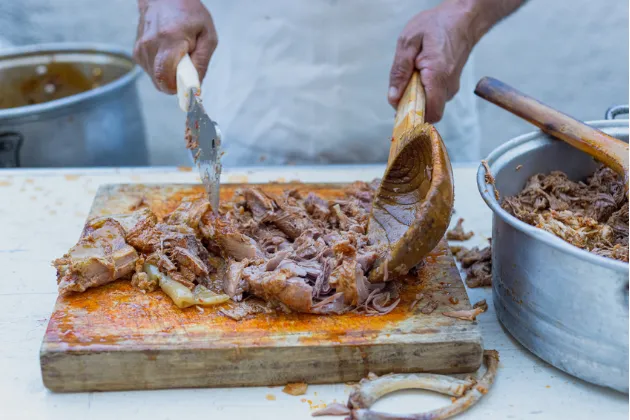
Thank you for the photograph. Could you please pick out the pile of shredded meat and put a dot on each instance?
(477, 264)
(591, 215)
(301, 253)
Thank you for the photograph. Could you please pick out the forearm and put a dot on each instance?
(484, 14)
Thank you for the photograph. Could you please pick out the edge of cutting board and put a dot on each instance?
(135, 369)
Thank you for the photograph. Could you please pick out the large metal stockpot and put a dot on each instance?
(564, 304)
(98, 125)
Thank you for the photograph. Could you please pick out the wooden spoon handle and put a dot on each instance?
(410, 112)
(605, 148)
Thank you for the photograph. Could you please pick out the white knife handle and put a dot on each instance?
(187, 80)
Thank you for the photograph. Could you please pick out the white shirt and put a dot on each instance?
(306, 82)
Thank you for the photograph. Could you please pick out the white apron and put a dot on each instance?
(305, 82)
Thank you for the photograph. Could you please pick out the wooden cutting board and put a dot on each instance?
(117, 338)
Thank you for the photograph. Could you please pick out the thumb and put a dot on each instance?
(407, 50)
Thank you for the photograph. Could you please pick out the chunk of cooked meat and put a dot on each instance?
(477, 264)
(458, 233)
(591, 215)
(233, 283)
(291, 221)
(138, 227)
(233, 243)
(100, 257)
(189, 213)
(245, 309)
(316, 207)
(282, 286)
(142, 280)
(259, 204)
(347, 278)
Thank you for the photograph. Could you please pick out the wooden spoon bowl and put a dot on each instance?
(412, 208)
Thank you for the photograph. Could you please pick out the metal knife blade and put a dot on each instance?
(203, 138)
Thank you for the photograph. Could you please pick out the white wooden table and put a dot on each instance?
(41, 215)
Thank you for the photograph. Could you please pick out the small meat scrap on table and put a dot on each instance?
(458, 233)
(592, 215)
(296, 252)
(477, 265)
(470, 314)
(295, 389)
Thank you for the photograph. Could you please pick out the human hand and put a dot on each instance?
(168, 30)
(437, 42)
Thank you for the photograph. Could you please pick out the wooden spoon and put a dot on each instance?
(413, 205)
(607, 149)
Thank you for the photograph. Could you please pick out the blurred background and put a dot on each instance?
(571, 54)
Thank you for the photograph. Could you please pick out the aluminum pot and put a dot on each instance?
(564, 304)
(99, 125)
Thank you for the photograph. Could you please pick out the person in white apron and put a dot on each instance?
(304, 82)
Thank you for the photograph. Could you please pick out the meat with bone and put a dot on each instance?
(100, 257)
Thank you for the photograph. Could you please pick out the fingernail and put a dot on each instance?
(393, 93)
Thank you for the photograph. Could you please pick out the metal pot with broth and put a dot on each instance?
(70, 105)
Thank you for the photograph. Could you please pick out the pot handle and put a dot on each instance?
(613, 111)
(10, 144)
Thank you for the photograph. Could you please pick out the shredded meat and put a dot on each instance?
(592, 215)
(477, 264)
(304, 254)
(100, 257)
(489, 178)
(458, 233)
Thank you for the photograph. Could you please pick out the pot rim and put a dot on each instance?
(70, 47)
(548, 238)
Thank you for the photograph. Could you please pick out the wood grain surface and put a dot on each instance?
(117, 338)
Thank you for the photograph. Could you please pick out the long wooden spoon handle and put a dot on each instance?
(409, 113)
(605, 148)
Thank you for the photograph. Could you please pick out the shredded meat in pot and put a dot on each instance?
(592, 215)
(304, 254)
